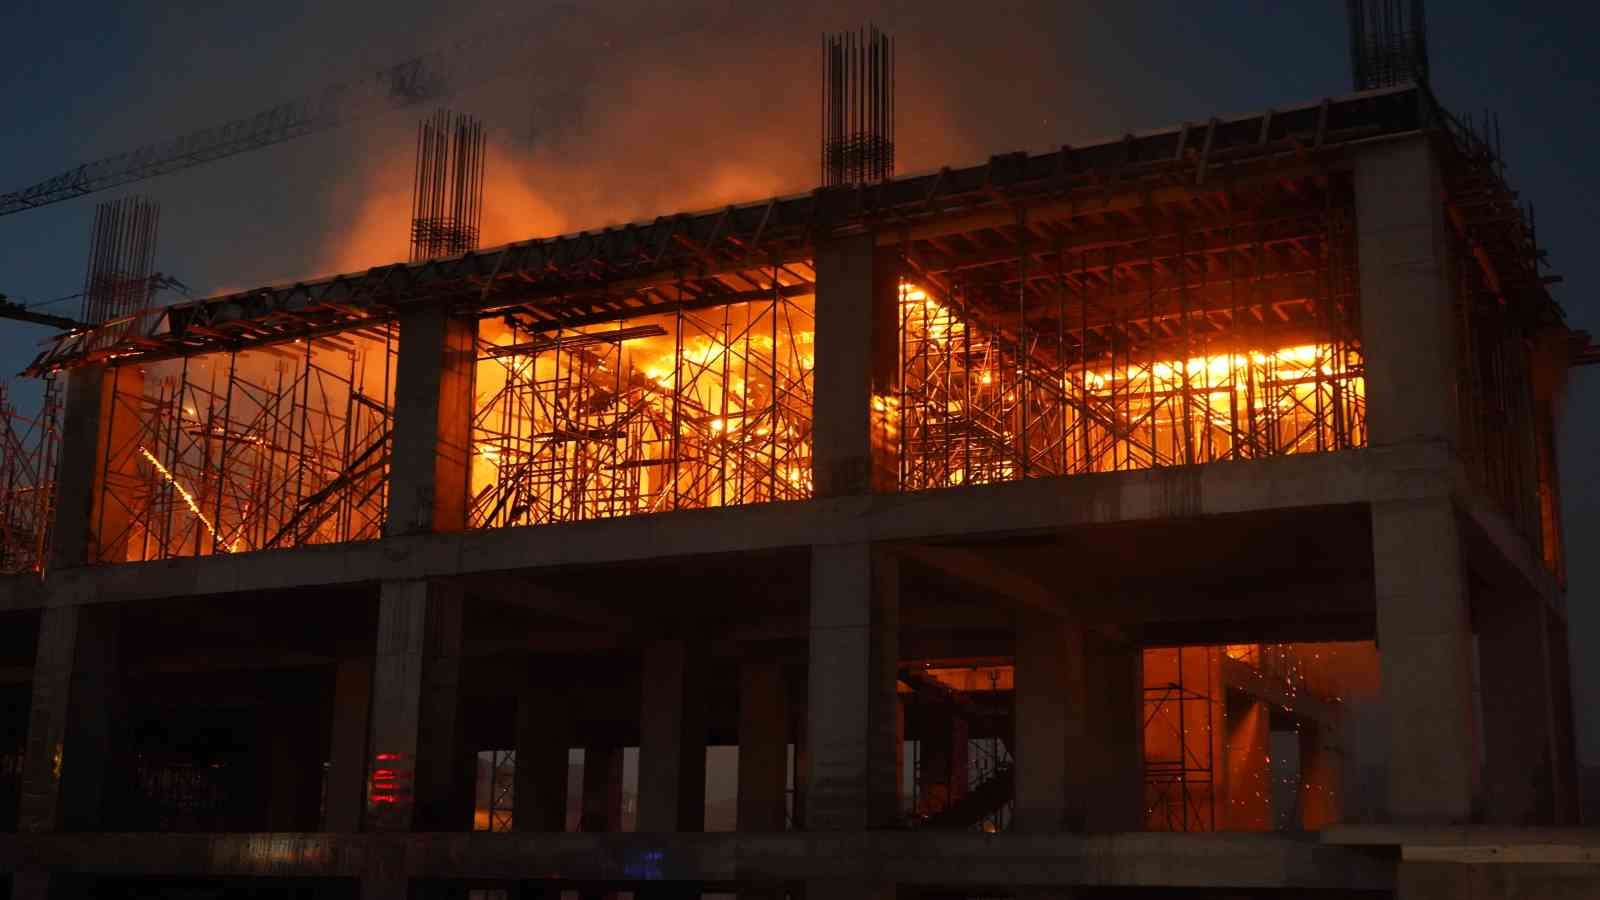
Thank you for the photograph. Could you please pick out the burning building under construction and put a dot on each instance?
(1176, 514)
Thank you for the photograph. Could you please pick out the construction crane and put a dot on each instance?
(415, 81)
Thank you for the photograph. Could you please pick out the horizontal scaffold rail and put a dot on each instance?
(720, 256)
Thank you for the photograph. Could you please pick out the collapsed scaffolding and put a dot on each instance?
(707, 405)
(276, 446)
(1186, 342)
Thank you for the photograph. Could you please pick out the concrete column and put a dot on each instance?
(1321, 765)
(1518, 709)
(1425, 653)
(602, 789)
(857, 343)
(432, 442)
(1248, 742)
(1407, 322)
(294, 761)
(672, 738)
(414, 776)
(347, 753)
(1566, 781)
(763, 746)
(90, 526)
(73, 710)
(1050, 725)
(943, 766)
(854, 655)
(1113, 750)
(539, 799)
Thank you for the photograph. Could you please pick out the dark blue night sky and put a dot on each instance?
(698, 103)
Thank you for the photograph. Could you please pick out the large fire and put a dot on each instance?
(975, 409)
(667, 412)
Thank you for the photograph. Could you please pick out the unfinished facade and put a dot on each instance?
(1178, 513)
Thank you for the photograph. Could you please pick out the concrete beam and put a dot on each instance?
(1034, 507)
(999, 862)
(1004, 581)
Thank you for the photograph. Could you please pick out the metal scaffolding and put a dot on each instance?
(701, 407)
(30, 448)
(277, 446)
(1217, 339)
(1180, 740)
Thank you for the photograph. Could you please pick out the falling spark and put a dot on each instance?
(188, 498)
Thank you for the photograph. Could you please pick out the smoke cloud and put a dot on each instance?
(655, 108)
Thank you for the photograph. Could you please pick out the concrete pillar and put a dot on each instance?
(854, 657)
(1518, 709)
(73, 711)
(1566, 781)
(347, 753)
(98, 448)
(602, 789)
(432, 442)
(1321, 765)
(943, 766)
(763, 746)
(1050, 725)
(1425, 652)
(1407, 322)
(672, 738)
(1247, 756)
(415, 778)
(1113, 751)
(857, 343)
(539, 798)
(294, 760)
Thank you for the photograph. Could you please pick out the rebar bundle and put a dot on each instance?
(447, 192)
(122, 247)
(857, 108)
(1388, 43)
